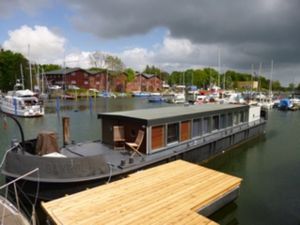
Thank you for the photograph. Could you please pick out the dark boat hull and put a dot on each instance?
(209, 149)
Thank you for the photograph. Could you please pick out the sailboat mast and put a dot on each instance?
(252, 73)
(271, 77)
(219, 65)
(30, 72)
(42, 81)
(22, 75)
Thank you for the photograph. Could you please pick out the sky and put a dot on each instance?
(170, 34)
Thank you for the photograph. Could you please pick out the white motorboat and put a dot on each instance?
(21, 102)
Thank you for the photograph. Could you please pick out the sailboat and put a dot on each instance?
(267, 102)
(11, 214)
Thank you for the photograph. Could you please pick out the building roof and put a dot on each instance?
(171, 114)
(64, 71)
(146, 75)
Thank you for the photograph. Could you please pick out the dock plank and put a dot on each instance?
(168, 194)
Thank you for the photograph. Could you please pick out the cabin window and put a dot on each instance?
(173, 133)
(215, 122)
(242, 116)
(236, 118)
(185, 130)
(223, 121)
(206, 125)
(230, 120)
(197, 127)
(158, 137)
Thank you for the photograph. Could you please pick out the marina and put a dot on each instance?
(152, 112)
(254, 161)
(151, 136)
(172, 193)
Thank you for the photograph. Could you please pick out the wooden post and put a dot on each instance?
(66, 130)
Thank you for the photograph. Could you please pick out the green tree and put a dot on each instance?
(152, 70)
(130, 74)
(50, 67)
(276, 86)
(114, 64)
(10, 64)
(291, 87)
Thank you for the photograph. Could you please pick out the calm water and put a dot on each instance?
(269, 166)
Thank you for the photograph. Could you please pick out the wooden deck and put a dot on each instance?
(168, 194)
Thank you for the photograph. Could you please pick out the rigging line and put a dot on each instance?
(19, 178)
(4, 208)
(17, 197)
(5, 154)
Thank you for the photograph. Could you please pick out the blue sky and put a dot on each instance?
(171, 34)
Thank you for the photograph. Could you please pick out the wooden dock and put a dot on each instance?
(172, 193)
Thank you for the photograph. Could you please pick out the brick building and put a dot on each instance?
(101, 80)
(145, 82)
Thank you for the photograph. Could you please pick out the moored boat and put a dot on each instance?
(11, 213)
(152, 136)
(21, 102)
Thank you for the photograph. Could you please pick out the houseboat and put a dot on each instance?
(21, 102)
(130, 141)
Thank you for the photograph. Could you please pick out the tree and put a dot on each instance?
(50, 67)
(114, 63)
(10, 64)
(152, 70)
(130, 74)
(276, 86)
(97, 59)
(291, 87)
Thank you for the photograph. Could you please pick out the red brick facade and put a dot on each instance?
(97, 80)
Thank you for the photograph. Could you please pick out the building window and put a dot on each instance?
(173, 133)
(242, 117)
(230, 120)
(85, 74)
(197, 127)
(73, 81)
(236, 118)
(86, 82)
(223, 121)
(215, 122)
(206, 125)
(73, 74)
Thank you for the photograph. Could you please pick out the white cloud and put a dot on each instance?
(172, 54)
(78, 59)
(45, 46)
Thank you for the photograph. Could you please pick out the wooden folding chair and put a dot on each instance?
(135, 146)
(119, 138)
